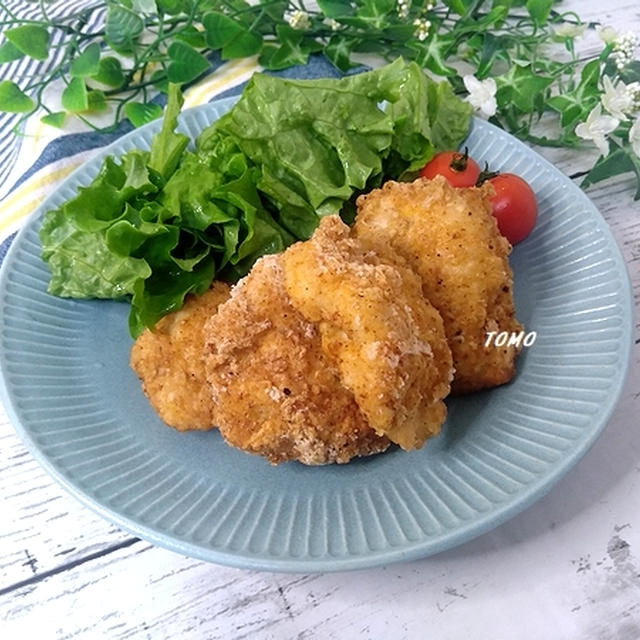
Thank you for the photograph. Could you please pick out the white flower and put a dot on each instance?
(568, 30)
(298, 19)
(334, 25)
(624, 48)
(634, 137)
(618, 100)
(633, 90)
(422, 28)
(403, 9)
(607, 34)
(482, 94)
(597, 127)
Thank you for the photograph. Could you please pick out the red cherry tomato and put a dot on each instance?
(514, 206)
(458, 169)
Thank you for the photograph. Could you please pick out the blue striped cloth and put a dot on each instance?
(19, 71)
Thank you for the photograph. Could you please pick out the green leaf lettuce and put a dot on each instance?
(157, 225)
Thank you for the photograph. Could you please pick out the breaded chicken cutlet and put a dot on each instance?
(168, 361)
(384, 338)
(325, 352)
(450, 238)
(275, 392)
(346, 342)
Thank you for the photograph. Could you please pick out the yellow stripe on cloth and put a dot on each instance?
(17, 206)
(225, 77)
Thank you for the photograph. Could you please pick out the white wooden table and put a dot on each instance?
(568, 567)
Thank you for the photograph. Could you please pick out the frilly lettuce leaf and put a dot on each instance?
(156, 225)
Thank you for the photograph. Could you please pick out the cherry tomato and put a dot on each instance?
(514, 206)
(458, 169)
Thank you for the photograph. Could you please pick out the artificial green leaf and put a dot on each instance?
(96, 101)
(220, 29)
(338, 51)
(74, 97)
(495, 17)
(144, 6)
(539, 10)
(432, 54)
(87, 63)
(13, 99)
(139, 113)
(502, 3)
(590, 76)
(294, 49)
(506, 6)
(192, 37)
(621, 160)
(9, 52)
(32, 40)
(54, 119)
(233, 37)
(159, 80)
(570, 111)
(123, 27)
(275, 58)
(397, 33)
(372, 46)
(336, 8)
(239, 6)
(209, 5)
(520, 87)
(375, 12)
(459, 6)
(491, 46)
(243, 45)
(109, 72)
(186, 63)
(171, 7)
(631, 72)
(574, 106)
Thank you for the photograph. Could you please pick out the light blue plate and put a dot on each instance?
(78, 406)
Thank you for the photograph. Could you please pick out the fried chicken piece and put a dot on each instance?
(450, 238)
(168, 360)
(386, 341)
(275, 392)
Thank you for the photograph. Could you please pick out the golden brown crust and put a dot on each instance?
(275, 391)
(386, 341)
(168, 361)
(450, 238)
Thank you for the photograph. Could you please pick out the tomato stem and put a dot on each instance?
(486, 174)
(459, 161)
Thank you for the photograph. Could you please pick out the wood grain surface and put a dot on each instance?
(568, 567)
